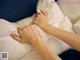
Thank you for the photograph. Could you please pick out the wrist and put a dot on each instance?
(38, 39)
(46, 28)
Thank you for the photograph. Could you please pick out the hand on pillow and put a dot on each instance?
(15, 49)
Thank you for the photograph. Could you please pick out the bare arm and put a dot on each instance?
(72, 39)
(44, 50)
(29, 35)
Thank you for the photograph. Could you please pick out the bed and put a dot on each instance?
(15, 10)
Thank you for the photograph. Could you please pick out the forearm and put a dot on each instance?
(44, 50)
(72, 39)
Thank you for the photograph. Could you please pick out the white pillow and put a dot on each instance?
(7, 44)
(68, 1)
(77, 27)
(71, 8)
(6, 28)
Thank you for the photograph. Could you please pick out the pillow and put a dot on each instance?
(77, 27)
(68, 1)
(7, 44)
(6, 28)
(26, 52)
(71, 8)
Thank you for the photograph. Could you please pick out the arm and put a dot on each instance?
(72, 39)
(44, 50)
(29, 35)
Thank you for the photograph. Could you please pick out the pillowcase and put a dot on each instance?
(6, 28)
(71, 8)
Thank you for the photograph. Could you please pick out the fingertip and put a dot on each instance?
(12, 35)
(16, 37)
(44, 12)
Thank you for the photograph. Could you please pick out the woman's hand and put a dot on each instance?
(41, 19)
(27, 35)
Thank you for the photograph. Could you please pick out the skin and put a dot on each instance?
(27, 36)
(70, 38)
(30, 35)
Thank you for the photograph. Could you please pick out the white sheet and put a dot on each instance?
(6, 28)
(26, 52)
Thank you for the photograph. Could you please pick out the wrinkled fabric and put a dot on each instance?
(77, 27)
(71, 8)
(56, 18)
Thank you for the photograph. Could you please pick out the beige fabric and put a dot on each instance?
(71, 8)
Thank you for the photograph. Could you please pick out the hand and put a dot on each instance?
(41, 19)
(27, 35)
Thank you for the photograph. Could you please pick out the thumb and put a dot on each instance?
(16, 37)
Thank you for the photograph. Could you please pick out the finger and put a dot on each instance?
(28, 31)
(38, 13)
(36, 18)
(16, 37)
(21, 33)
(25, 27)
(44, 12)
(39, 16)
(36, 21)
(18, 28)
